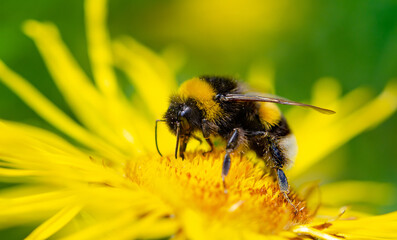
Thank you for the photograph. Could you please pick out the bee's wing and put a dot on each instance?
(271, 98)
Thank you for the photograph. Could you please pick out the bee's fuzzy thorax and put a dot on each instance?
(203, 93)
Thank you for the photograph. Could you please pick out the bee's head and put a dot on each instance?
(182, 117)
(183, 114)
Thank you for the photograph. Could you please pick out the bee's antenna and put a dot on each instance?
(178, 130)
(155, 135)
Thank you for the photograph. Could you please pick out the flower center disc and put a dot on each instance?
(253, 200)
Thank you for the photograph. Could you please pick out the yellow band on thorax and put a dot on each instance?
(203, 93)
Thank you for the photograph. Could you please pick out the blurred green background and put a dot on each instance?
(352, 41)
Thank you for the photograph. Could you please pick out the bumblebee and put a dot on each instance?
(220, 106)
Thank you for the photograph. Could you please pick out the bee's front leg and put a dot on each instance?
(197, 138)
(183, 145)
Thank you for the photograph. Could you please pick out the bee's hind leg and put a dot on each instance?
(279, 160)
(284, 186)
(233, 142)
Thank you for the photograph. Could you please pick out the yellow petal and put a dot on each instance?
(314, 233)
(150, 226)
(325, 91)
(33, 204)
(316, 143)
(35, 152)
(56, 222)
(375, 227)
(103, 229)
(175, 57)
(147, 72)
(48, 111)
(347, 192)
(94, 110)
(5, 172)
(99, 46)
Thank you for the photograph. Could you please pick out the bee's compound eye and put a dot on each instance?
(185, 112)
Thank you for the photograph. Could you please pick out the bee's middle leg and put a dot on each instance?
(206, 130)
(232, 144)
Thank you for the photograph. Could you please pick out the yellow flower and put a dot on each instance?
(110, 184)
